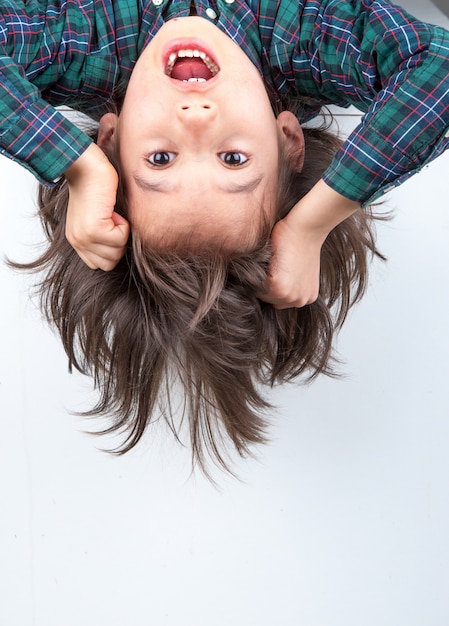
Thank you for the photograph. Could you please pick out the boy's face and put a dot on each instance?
(198, 156)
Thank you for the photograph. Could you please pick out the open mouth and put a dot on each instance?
(190, 65)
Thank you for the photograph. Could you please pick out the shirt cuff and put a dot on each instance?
(367, 166)
(43, 140)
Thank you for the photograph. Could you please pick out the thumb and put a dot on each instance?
(121, 223)
(118, 219)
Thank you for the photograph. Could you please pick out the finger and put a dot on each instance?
(105, 258)
(114, 239)
(106, 265)
(286, 302)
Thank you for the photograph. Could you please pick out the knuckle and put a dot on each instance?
(87, 261)
(281, 289)
(107, 266)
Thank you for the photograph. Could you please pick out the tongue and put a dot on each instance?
(191, 67)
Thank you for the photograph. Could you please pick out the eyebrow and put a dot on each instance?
(230, 187)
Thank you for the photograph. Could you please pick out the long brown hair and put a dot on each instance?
(192, 317)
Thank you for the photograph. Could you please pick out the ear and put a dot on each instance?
(107, 133)
(292, 138)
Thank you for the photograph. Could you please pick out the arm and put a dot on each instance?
(392, 67)
(53, 53)
(43, 140)
(32, 132)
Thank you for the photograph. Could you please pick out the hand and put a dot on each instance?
(294, 274)
(93, 228)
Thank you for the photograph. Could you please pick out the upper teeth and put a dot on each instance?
(213, 67)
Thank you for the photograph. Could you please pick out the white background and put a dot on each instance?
(341, 521)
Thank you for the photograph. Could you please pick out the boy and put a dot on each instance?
(370, 54)
(205, 171)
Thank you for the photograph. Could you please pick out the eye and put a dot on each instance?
(162, 158)
(233, 159)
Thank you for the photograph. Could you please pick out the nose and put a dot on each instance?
(197, 114)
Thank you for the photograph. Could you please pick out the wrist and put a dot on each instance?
(320, 210)
(92, 164)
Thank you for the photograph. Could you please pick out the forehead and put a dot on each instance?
(207, 215)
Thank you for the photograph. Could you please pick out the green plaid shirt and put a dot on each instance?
(348, 52)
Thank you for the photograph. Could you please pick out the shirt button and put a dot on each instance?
(447, 135)
(210, 13)
(157, 3)
(229, 1)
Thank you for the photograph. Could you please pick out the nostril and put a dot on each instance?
(187, 107)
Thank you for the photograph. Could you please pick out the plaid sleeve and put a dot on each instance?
(396, 70)
(32, 132)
